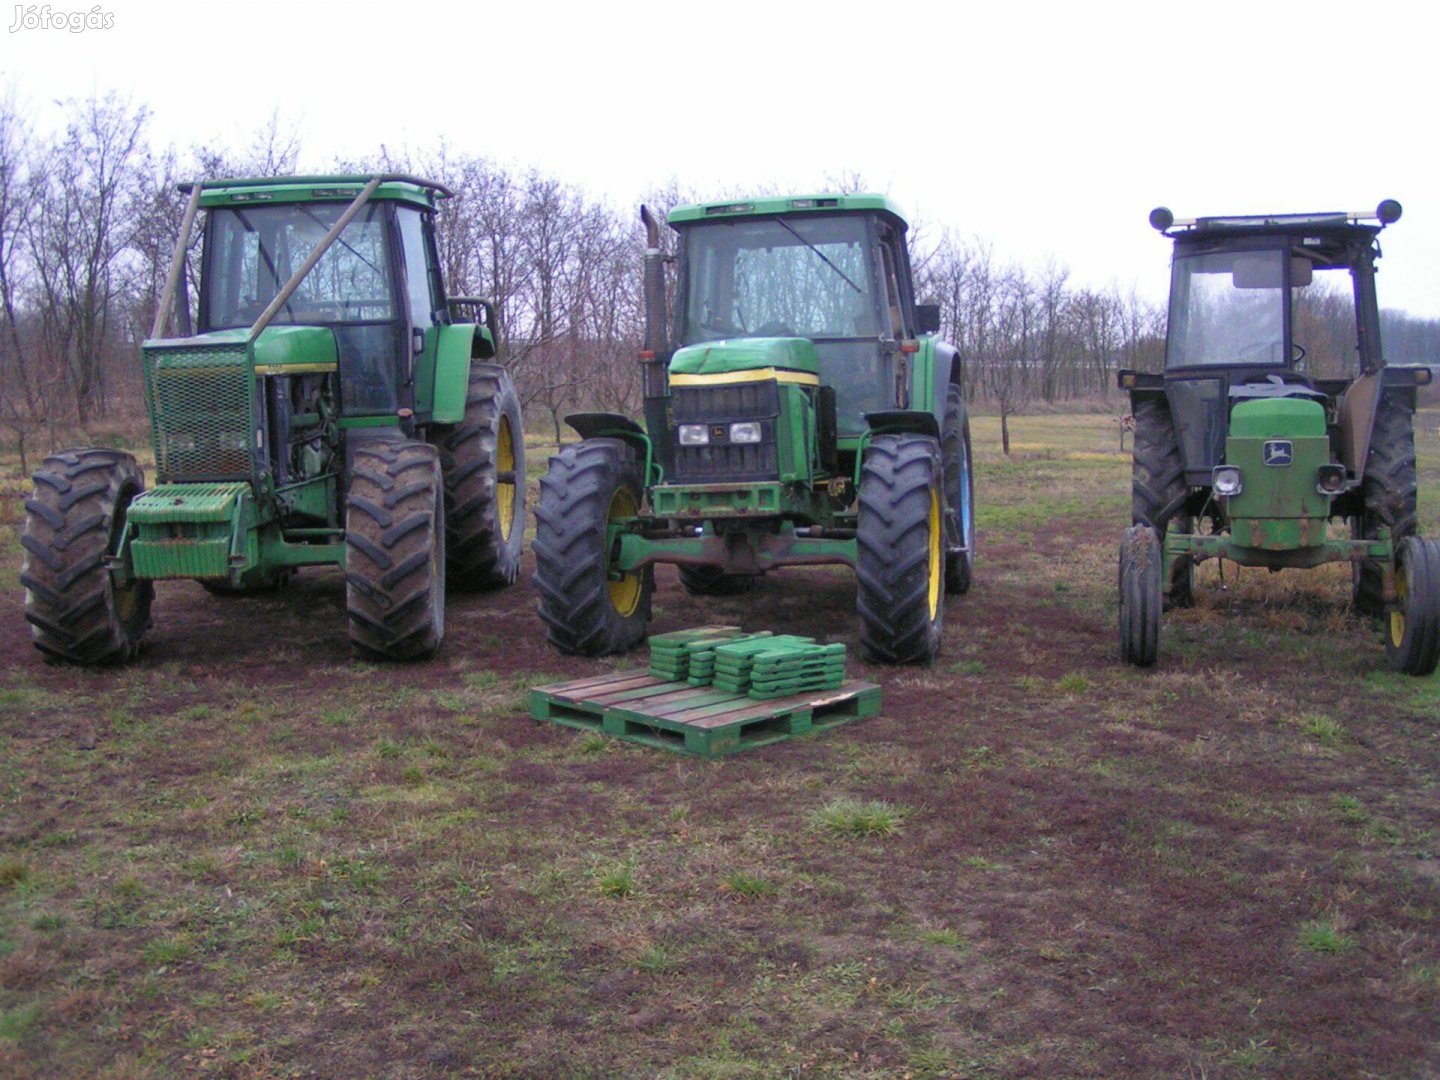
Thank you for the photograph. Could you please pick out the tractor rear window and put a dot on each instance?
(780, 277)
(254, 250)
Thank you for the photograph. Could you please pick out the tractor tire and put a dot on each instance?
(1180, 586)
(1388, 491)
(712, 581)
(395, 551)
(588, 612)
(73, 519)
(900, 547)
(959, 489)
(1158, 489)
(1141, 562)
(1412, 631)
(483, 461)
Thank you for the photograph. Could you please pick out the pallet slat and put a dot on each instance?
(696, 720)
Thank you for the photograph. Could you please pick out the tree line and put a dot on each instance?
(89, 216)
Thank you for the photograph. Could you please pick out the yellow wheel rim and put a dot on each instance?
(505, 492)
(1397, 617)
(934, 593)
(624, 591)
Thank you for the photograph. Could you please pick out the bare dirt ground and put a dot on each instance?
(251, 856)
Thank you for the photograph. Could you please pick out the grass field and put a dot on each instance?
(249, 855)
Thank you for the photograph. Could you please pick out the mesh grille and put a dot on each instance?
(738, 401)
(723, 461)
(200, 411)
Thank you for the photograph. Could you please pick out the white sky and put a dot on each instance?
(1049, 130)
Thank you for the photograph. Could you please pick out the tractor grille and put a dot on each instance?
(200, 411)
(722, 461)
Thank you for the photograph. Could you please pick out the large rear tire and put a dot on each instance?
(1141, 600)
(1158, 489)
(900, 542)
(1389, 493)
(395, 551)
(959, 490)
(73, 519)
(1412, 630)
(588, 608)
(483, 462)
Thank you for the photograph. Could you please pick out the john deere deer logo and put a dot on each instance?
(1279, 452)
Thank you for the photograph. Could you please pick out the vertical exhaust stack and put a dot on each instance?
(655, 343)
(655, 353)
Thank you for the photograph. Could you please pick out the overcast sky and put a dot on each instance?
(1049, 130)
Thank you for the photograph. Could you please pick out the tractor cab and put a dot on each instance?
(1264, 307)
(831, 270)
(376, 288)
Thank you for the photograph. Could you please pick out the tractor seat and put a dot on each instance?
(1289, 385)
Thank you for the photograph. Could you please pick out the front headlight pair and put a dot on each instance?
(746, 431)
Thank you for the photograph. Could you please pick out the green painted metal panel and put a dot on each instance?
(1278, 491)
(313, 189)
(288, 346)
(746, 354)
(181, 503)
(449, 381)
(1270, 418)
(830, 203)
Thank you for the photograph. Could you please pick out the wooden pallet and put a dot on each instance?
(634, 705)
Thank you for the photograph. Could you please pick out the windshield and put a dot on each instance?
(254, 250)
(780, 277)
(1227, 307)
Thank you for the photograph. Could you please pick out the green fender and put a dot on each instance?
(456, 346)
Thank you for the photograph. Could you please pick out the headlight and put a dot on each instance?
(747, 432)
(1226, 480)
(694, 435)
(1330, 479)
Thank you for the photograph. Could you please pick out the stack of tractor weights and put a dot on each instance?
(762, 665)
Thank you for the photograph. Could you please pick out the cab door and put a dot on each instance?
(424, 304)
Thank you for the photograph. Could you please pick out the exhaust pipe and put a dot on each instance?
(654, 286)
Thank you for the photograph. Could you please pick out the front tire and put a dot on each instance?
(74, 518)
(483, 462)
(588, 609)
(900, 545)
(395, 551)
(1412, 630)
(1141, 599)
(1158, 490)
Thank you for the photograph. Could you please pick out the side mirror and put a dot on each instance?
(927, 318)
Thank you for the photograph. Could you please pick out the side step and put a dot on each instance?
(638, 707)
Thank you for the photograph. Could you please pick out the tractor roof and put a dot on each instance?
(1336, 226)
(771, 205)
(342, 188)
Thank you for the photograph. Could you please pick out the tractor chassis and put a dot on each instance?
(1222, 546)
(744, 529)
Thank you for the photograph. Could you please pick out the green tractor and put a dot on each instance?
(1276, 414)
(804, 414)
(332, 408)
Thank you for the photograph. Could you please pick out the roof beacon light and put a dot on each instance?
(1161, 218)
(1388, 211)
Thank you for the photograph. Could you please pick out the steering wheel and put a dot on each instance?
(774, 328)
(1299, 352)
